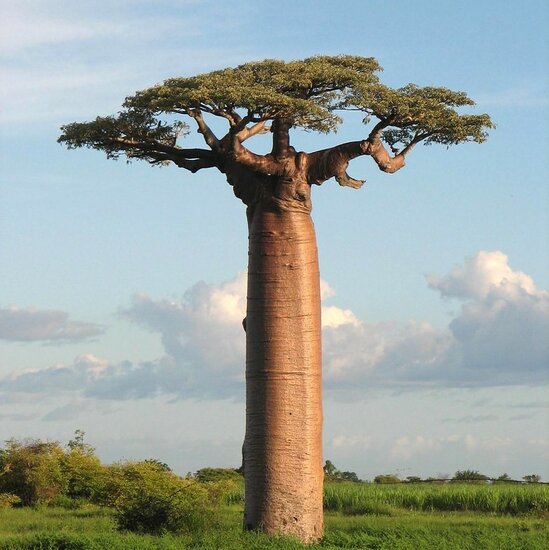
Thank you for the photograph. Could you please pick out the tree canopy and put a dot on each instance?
(276, 96)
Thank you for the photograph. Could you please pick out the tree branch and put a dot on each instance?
(258, 128)
(281, 137)
(263, 164)
(163, 148)
(384, 160)
(195, 165)
(333, 162)
(209, 137)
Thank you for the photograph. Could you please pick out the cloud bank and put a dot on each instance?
(498, 338)
(31, 325)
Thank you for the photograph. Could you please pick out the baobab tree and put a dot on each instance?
(282, 454)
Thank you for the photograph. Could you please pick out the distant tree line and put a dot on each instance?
(331, 473)
(146, 495)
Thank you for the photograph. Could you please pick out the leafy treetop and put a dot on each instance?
(274, 96)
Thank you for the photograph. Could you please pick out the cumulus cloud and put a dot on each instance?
(498, 338)
(28, 325)
(202, 333)
(95, 377)
(504, 323)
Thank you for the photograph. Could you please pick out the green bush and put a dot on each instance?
(7, 500)
(151, 500)
(208, 475)
(85, 475)
(32, 470)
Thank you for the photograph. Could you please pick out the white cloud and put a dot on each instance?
(72, 61)
(404, 448)
(351, 441)
(407, 447)
(22, 29)
(28, 325)
(498, 338)
(480, 275)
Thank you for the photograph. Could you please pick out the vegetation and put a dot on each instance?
(498, 498)
(282, 324)
(144, 505)
(331, 473)
(95, 528)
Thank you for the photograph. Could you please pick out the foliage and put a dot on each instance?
(41, 472)
(151, 500)
(386, 478)
(85, 475)
(7, 500)
(532, 478)
(209, 475)
(504, 477)
(331, 473)
(413, 479)
(31, 469)
(309, 94)
(472, 476)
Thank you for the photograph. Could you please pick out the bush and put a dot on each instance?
(7, 500)
(85, 475)
(151, 500)
(387, 478)
(32, 470)
(207, 475)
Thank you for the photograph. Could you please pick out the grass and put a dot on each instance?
(359, 516)
(359, 498)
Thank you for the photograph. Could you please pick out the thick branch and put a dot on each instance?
(281, 137)
(195, 165)
(209, 137)
(333, 162)
(163, 148)
(258, 128)
(191, 165)
(384, 160)
(263, 164)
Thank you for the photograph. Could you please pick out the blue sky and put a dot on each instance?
(121, 295)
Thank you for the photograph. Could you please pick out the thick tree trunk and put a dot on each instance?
(283, 444)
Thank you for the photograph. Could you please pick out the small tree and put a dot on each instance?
(349, 476)
(472, 476)
(413, 479)
(504, 478)
(532, 478)
(386, 479)
(330, 471)
(148, 499)
(32, 470)
(83, 471)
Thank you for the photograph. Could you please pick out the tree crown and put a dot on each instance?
(275, 96)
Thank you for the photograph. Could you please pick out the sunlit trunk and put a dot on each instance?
(283, 444)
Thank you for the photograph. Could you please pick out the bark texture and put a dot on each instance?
(283, 444)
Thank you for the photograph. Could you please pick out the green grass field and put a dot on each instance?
(358, 516)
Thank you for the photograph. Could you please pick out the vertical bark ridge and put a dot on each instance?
(283, 445)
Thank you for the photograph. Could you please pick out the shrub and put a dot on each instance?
(32, 470)
(151, 500)
(7, 500)
(387, 478)
(470, 476)
(207, 475)
(85, 475)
